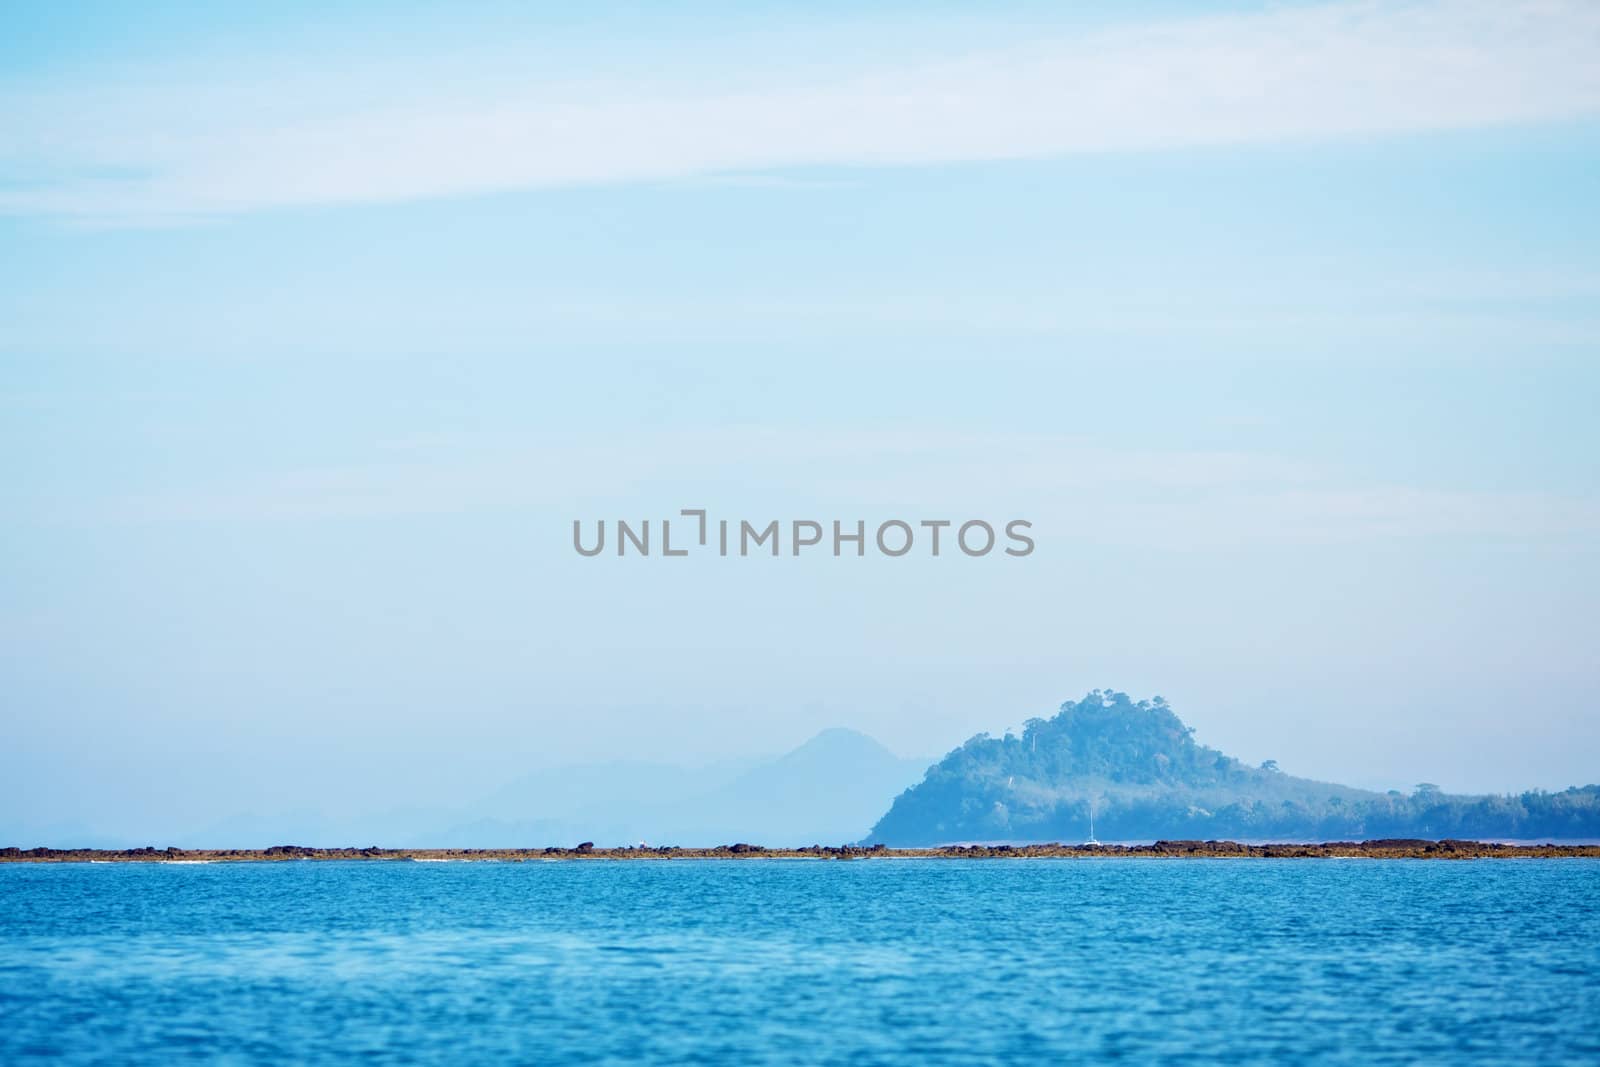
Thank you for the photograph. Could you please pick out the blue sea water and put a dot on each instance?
(883, 961)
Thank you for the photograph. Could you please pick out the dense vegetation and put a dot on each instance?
(1139, 766)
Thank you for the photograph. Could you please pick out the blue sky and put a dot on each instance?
(316, 332)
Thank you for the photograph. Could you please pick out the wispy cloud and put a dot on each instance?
(1334, 70)
(1074, 489)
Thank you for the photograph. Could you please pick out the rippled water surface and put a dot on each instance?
(885, 961)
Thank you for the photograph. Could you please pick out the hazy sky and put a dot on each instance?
(1279, 321)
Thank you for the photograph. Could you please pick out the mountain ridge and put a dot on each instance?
(826, 790)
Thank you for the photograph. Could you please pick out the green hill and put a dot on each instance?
(1140, 768)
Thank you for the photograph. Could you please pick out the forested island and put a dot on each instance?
(1136, 768)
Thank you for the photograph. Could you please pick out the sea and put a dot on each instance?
(884, 961)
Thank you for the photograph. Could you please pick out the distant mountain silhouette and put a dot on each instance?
(1147, 778)
(826, 791)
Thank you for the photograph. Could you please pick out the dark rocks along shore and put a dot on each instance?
(1387, 848)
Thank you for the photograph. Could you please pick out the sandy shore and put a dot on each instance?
(1389, 848)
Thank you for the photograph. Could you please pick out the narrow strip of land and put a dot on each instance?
(1388, 848)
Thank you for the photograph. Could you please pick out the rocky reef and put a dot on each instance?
(1383, 848)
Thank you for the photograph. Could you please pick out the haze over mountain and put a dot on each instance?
(1140, 768)
(826, 791)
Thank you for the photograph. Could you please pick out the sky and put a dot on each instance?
(321, 324)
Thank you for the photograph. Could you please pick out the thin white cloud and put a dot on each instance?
(1073, 489)
(1327, 71)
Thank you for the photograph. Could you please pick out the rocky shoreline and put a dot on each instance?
(1387, 848)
